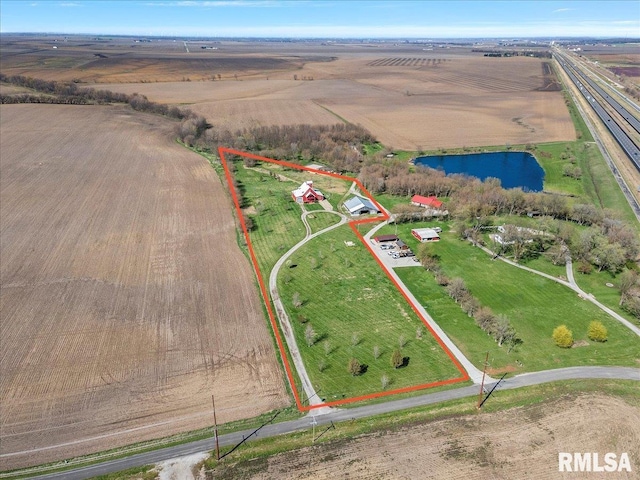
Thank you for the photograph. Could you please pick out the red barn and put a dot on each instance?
(427, 202)
(305, 193)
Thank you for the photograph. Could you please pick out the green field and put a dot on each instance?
(344, 292)
(321, 219)
(533, 304)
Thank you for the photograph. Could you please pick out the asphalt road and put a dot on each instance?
(338, 415)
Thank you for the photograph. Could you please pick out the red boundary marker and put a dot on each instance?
(353, 224)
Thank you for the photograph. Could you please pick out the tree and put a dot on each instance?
(354, 367)
(376, 352)
(402, 341)
(563, 336)
(457, 289)
(628, 280)
(322, 366)
(503, 330)
(297, 301)
(385, 381)
(327, 347)
(310, 335)
(597, 332)
(355, 338)
(397, 360)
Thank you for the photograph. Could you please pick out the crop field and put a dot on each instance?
(125, 301)
(405, 96)
(533, 304)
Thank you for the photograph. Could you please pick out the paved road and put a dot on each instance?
(338, 415)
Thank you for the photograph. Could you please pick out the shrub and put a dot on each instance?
(354, 367)
(397, 359)
(563, 336)
(597, 332)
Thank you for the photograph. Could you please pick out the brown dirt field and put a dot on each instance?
(520, 443)
(125, 300)
(463, 100)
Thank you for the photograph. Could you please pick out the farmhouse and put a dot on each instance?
(305, 193)
(425, 234)
(360, 206)
(386, 238)
(426, 202)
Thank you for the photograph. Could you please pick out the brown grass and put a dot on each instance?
(517, 443)
(125, 301)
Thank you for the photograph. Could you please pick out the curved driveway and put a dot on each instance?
(283, 318)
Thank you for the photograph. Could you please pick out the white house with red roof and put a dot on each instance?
(305, 193)
(427, 202)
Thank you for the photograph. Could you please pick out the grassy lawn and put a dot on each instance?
(334, 189)
(533, 304)
(346, 293)
(321, 219)
(596, 283)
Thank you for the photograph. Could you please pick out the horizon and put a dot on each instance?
(327, 19)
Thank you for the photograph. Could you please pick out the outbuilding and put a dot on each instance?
(425, 234)
(401, 245)
(360, 206)
(426, 202)
(386, 238)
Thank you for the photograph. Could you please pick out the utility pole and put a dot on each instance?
(215, 427)
(314, 423)
(484, 371)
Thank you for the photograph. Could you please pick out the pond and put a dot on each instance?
(514, 169)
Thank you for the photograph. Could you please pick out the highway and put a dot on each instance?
(339, 415)
(633, 121)
(629, 147)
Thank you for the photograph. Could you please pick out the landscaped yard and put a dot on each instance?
(533, 304)
(353, 308)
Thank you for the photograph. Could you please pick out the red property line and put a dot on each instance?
(353, 224)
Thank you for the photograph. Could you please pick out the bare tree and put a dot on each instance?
(376, 352)
(297, 300)
(310, 335)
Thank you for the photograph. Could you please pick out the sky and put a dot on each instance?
(326, 18)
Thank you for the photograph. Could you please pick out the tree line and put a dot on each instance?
(68, 93)
(339, 146)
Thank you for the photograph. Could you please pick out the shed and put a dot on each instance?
(425, 234)
(386, 238)
(401, 245)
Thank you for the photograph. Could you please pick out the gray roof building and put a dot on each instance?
(360, 206)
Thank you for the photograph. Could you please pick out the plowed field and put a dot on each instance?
(520, 443)
(432, 101)
(125, 300)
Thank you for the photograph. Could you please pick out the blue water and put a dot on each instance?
(514, 169)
